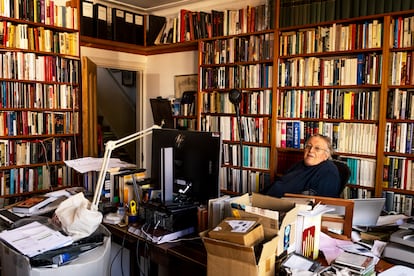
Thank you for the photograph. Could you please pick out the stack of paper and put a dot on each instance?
(35, 238)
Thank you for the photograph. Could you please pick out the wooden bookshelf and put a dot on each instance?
(387, 145)
(40, 108)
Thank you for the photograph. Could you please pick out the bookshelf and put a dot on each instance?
(241, 60)
(39, 109)
(363, 101)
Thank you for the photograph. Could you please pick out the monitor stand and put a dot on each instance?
(167, 175)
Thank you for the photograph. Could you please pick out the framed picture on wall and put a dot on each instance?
(183, 83)
(128, 78)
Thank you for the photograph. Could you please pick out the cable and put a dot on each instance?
(121, 250)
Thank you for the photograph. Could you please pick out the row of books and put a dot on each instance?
(398, 173)
(353, 192)
(56, 13)
(241, 76)
(313, 71)
(29, 66)
(253, 157)
(22, 36)
(20, 180)
(398, 203)
(399, 137)
(186, 123)
(118, 186)
(38, 95)
(401, 32)
(253, 102)
(23, 152)
(254, 129)
(362, 171)
(14, 123)
(193, 25)
(238, 49)
(298, 12)
(329, 104)
(105, 22)
(403, 73)
(253, 181)
(400, 104)
(345, 136)
(337, 37)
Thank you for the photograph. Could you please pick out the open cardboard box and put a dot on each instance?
(283, 226)
(227, 258)
(252, 235)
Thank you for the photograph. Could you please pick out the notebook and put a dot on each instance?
(367, 211)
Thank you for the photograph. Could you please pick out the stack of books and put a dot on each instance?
(355, 263)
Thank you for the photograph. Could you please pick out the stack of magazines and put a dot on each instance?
(355, 263)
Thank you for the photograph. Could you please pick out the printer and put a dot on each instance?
(400, 248)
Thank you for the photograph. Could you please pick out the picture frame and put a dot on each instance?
(128, 78)
(183, 83)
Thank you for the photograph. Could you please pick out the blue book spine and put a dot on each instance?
(296, 134)
(360, 69)
(408, 145)
(12, 181)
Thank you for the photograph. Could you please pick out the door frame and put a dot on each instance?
(113, 60)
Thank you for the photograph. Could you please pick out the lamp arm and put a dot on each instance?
(109, 147)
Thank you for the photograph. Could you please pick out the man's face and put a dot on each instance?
(316, 151)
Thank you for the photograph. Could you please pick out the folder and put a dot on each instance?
(100, 21)
(118, 24)
(87, 18)
(155, 25)
(130, 26)
(139, 29)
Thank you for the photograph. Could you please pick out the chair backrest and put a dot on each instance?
(344, 173)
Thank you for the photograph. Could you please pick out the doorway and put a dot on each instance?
(91, 80)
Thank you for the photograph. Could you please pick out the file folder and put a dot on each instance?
(87, 18)
(100, 19)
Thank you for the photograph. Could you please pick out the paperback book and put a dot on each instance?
(32, 204)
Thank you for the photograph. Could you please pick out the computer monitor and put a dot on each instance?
(367, 211)
(196, 162)
(162, 112)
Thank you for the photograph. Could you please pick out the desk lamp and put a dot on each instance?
(79, 217)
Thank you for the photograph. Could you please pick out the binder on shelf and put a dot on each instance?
(87, 18)
(155, 26)
(139, 29)
(130, 26)
(118, 24)
(100, 21)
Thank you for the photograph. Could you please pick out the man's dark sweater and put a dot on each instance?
(322, 180)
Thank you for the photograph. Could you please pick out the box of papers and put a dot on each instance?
(228, 258)
(278, 217)
(241, 231)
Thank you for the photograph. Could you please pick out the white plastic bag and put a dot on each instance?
(76, 219)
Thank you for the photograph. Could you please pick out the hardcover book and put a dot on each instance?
(32, 204)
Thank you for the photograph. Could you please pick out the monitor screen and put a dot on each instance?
(162, 112)
(196, 161)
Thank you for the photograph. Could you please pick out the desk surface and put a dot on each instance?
(191, 253)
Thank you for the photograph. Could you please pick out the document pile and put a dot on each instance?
(355, 263)
(34, 238)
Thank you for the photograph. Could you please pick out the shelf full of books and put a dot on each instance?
(398, 181)
(242, 62)
(329, 82)
(39, 95)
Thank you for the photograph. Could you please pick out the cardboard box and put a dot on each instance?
(245, 231)
(227, 258)
(282, 226)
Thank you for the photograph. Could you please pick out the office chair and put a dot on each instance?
(344, 173)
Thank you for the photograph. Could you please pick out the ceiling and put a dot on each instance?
(151, 5)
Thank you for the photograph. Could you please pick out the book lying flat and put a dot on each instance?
(33, 204)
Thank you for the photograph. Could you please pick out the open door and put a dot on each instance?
(89, 108)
